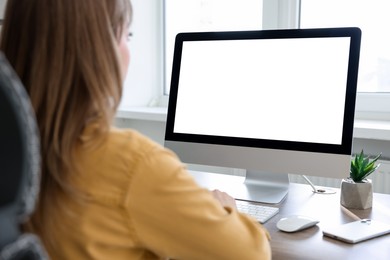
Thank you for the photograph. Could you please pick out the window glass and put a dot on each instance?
(207, 15)
(372, 17)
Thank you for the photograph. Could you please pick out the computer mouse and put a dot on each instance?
(295, 223)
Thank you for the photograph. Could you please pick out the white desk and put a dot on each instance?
(310, 243)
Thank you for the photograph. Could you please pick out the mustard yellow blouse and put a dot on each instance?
(144, 205)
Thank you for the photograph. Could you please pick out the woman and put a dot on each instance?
(108, 193)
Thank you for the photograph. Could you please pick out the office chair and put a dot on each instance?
(19, 168)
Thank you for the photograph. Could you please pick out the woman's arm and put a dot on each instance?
(174, 217)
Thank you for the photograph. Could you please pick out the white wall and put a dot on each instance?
(2, 7)
(145, 76)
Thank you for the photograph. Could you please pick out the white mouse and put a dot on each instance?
(295, 223)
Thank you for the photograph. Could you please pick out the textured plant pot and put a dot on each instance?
(356, 195)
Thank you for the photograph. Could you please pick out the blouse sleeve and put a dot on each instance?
(174, 217)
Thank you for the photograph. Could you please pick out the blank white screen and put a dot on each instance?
(276, 89)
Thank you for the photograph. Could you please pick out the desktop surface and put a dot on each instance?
(310, 243)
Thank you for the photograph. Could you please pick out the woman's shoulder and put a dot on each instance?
(125, 155)
(138, 148)
(132, 141)
(126, 147)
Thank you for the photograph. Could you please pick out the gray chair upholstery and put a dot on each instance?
(19, 168)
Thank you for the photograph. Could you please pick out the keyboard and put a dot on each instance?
(259, 212)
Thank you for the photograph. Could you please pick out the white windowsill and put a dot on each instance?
(372, 129)
(365, 129)
(143, 113)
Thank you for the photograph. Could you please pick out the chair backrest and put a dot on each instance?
(19, 167)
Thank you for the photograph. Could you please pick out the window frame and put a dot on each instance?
(369, 105)
(284, 14)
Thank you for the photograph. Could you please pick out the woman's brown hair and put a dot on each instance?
(66, 54)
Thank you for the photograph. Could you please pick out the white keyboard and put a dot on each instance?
(259, 212)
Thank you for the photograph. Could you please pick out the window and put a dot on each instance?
(207, 15)
(371, 16)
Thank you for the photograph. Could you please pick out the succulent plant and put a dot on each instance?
(361, 167)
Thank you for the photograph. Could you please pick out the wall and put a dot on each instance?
(145, 78)
(2, 7)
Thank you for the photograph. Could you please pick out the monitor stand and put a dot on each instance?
(261, 187)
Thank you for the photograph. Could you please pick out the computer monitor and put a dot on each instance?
(273, 102)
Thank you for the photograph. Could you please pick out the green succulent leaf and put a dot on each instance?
(362, 167)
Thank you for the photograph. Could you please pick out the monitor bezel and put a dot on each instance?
(344, 148)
